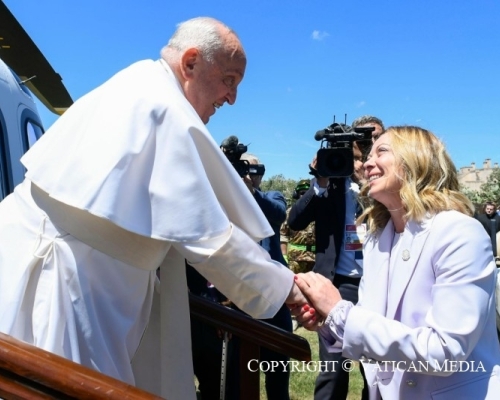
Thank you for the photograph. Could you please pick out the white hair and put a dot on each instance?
(203, 33)
(250, 157)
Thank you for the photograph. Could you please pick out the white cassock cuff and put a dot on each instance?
(242, 270)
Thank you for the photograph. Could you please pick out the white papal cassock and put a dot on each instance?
(127, 180)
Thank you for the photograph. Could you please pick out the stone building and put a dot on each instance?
(472, 178)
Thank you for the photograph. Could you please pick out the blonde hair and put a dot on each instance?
(429, 182)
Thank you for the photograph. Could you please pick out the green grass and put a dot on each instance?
(302, 383)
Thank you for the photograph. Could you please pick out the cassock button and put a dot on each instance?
(406, 255)
(411, 383)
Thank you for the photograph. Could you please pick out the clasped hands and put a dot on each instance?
(311, 299)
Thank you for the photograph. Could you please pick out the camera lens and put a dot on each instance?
(335, 162)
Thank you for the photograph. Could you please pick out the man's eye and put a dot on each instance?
(229, 81)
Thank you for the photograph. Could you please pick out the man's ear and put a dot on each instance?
(189, 61)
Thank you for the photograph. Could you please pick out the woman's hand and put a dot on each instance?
(320, 292)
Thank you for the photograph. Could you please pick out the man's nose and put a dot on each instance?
(231, 96)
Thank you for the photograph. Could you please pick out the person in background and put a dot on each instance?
(298, 246)
(112, 192)
(331, 203)
(424, 326)
(206, 339)
(491, 223)
(366, 121)
(273, 205)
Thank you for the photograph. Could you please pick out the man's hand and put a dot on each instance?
(295, 298)
(299, 307)
(322, 181)
(248, 182)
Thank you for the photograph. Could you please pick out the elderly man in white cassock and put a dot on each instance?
(126, 181)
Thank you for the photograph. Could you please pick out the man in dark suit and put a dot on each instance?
(206, 340)
(273, 205)
(332, 204)
(491, 222)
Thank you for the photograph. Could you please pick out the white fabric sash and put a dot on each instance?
(101, 234)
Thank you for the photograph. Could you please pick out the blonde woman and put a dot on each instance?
(424, 327)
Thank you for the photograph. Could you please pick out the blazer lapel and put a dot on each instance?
(373, 294)
(412, 244)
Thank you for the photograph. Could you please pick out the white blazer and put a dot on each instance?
(435, 314)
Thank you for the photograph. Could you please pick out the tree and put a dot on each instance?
(281, 184)
(489, 191)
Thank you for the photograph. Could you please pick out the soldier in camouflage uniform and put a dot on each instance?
(298, 247)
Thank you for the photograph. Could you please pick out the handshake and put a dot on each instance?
(311, 299)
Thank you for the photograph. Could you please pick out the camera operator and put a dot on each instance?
(273, 205)
(367, 121)
(331, 202)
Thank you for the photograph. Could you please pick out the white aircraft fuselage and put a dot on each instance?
(20, 127)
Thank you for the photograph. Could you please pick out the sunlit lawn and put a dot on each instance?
(302, 383)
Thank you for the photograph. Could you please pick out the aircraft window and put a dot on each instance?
(34, 132)
(31, 127)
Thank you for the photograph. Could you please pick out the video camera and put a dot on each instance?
(233, 150)
(256, 169)
(335, 157)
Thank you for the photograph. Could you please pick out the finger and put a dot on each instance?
(312, 324)
(303, 285)
(312, 278)
(303, 279)
(298, 311)
(315, 278)
(305, 316)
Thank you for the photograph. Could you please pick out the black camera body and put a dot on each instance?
(233, 150)
(335, 157)
(256, 169)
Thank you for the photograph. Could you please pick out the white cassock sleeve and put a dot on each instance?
(241, 269)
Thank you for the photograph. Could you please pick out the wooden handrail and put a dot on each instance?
(249, 329)
(27, 372)
(253, 335)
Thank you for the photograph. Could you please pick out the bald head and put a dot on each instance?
(208, 35)
(209, 62)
